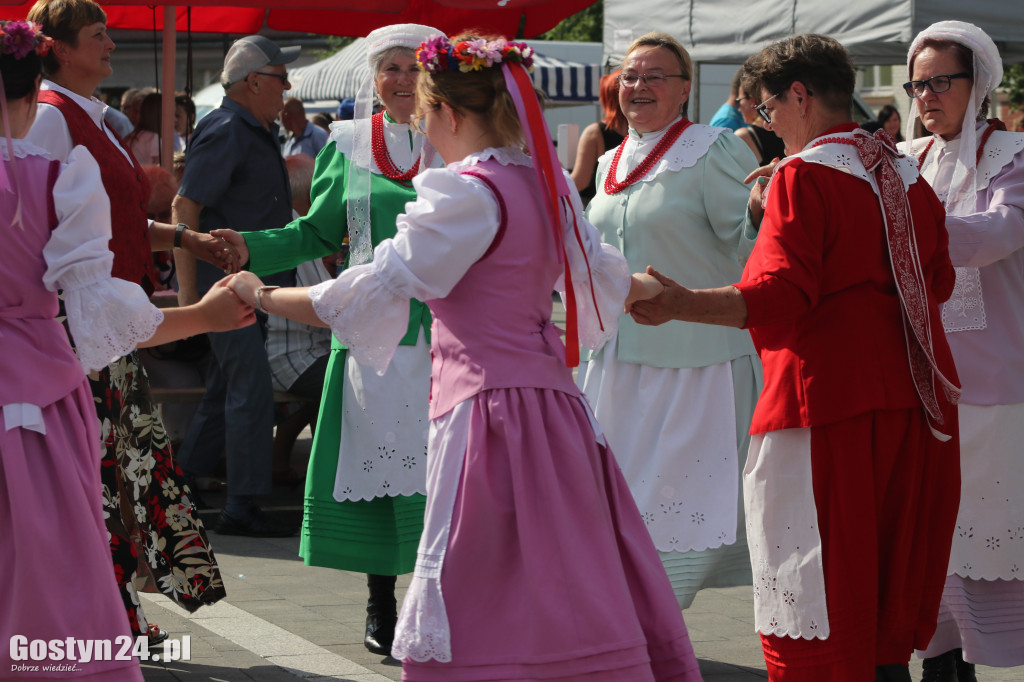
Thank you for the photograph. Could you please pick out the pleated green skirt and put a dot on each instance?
(375, 536)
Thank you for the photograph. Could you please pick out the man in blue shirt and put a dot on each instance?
(235, 177)
(728, 115)
(303, 136)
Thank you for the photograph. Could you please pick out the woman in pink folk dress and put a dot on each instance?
(54, 553)
(534, 562)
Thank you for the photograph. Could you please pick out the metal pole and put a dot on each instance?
(167, 96)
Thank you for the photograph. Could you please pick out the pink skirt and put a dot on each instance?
(55, 566)
(549, 572)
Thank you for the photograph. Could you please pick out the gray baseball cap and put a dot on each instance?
(252, 53)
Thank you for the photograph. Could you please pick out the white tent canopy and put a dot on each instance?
(874, 31)
(340, 75)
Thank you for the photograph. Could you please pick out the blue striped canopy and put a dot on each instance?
(340, 75)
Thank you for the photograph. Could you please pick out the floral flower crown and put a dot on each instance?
(439, 54)
(19, 38)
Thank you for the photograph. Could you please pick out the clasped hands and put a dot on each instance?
(657, 300)
(225, 248)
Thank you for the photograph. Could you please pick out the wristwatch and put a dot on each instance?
(177, 234)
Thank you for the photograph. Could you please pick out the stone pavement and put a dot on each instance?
(284, 621)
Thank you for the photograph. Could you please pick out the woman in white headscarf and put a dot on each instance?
(977, 170)
(366, 485)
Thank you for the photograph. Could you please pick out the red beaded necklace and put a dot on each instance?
(613, 187)
(381, 156)
(993, 125)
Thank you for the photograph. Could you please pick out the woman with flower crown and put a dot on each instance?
(54, 552)
(534, 562)
(676, 401)
(367, 471)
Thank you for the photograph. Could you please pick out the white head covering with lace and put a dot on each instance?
(965, 310)
(378, 43)
(988, 72)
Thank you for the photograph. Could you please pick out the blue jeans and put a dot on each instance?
(236, 414)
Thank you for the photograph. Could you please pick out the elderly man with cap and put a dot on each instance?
(235, 177)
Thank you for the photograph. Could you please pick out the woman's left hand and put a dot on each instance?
(245, 285)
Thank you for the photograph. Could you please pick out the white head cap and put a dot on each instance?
(252, 53)
(398, 35)
(988, 72)
(378, 42)
(974, 39)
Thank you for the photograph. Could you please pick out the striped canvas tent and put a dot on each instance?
(340, 75)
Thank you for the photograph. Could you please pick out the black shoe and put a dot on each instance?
(964, 670)
(381, 614)
(155, 635)
(941, 668)
(256, 525)
(892, 673)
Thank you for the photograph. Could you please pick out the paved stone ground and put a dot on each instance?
(285, 621)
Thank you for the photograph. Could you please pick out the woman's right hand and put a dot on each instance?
(223, 310)
(237, 241)
(760, 179)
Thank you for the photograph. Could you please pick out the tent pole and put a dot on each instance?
(167, 90)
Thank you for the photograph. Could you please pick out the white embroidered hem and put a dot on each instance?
(782, 534)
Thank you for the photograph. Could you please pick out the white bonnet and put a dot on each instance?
(383, 39)
(970, 36)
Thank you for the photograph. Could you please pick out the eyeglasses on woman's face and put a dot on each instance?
(937, 84)
(629, 80)
(762, 109)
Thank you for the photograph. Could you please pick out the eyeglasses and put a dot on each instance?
(936, 84)
(283, 77)
(629, 80)
(762, 110)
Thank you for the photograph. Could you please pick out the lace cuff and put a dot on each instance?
(108, 319)
(363, 313)
(422, 632)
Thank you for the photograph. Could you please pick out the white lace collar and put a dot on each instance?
(90, 105)
(690, 148)
(1000, 148)
(506, 156)
(396, 136)
(845, 158)
(22, 149)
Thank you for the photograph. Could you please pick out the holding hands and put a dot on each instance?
(671, 303)
(213, 249)
(236, 242)
(223, 310)
(244, 285)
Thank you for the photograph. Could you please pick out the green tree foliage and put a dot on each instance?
(334, 45)
(1013, 83)
(587, 25)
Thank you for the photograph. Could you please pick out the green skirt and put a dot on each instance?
(378, 536)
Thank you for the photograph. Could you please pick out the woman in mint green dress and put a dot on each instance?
(366, 487)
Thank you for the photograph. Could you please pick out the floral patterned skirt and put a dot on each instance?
(157, 540)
